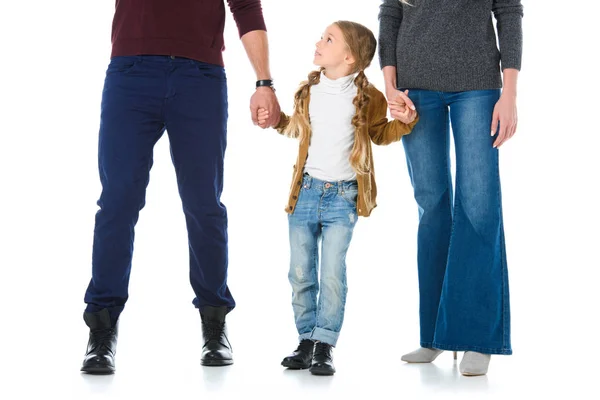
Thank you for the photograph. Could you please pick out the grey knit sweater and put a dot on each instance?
(450, 45)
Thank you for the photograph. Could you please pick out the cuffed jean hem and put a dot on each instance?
(303, 336)
(325, 336)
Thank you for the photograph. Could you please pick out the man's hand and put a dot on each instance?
(257, 47)
(264, 98)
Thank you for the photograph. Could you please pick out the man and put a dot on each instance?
(166, 74)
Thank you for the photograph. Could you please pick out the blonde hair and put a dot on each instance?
(362, 44)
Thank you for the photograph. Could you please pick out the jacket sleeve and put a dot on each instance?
(283, 123)
(381, 130)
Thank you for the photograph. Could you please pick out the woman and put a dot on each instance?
(444, 53)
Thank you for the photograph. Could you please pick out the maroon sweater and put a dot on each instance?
(183, 28)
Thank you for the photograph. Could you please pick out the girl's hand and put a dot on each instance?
(407, 116)
(505, 113)
(263, 117)
(401, 110)
(395, 96)
(264, 97)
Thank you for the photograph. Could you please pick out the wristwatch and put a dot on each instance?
(265, 82)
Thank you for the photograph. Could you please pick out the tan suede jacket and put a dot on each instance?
(380, 131)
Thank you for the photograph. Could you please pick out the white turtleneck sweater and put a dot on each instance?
(331, 112)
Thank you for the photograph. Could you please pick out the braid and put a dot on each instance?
(299, 126)
(358, 158)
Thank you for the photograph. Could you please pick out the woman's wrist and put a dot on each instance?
(389, 77)
(509, 93)
(510, 82)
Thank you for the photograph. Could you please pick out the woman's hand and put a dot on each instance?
(397, 96)
(505, 115)
(401, 107)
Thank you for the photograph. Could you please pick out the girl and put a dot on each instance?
(336, 114)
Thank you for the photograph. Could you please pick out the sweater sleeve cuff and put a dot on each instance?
(248, 16)
(387, 57)
(249, 23)
(511, 63)
(511, 58)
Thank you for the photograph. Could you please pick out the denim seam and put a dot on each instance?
(503, 266)
(320, 208)
(315, 291)
(505, 322)
(345, 295)
(450, 207)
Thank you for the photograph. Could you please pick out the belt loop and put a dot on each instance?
(307, 181)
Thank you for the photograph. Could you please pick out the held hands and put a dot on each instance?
(263, 117)
(264, 99)
(401, 107)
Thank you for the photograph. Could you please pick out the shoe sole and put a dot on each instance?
(216, 363)
(321, 372)
(98, 370)
(293, 365)
(417, 362)
(473, 373)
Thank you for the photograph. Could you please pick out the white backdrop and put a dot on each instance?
(54, 55)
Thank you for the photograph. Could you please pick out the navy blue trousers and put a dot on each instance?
(143, 97)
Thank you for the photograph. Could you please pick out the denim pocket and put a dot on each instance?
(350, 195)
(211, 71)
(123, 64)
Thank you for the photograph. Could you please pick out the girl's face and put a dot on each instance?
(332, 53)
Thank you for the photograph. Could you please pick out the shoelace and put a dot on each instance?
(101, 338)
(213, 330)
(306, 346)
(322, 348)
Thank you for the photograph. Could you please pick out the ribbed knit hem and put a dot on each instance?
(169, 47)
(449, 83)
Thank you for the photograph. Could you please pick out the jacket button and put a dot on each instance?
(295, 197)
(299, 183)
(291, 208)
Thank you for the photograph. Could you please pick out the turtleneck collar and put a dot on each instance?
(338, 85)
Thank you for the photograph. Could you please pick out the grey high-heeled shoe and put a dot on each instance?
(474, 364)
(423, 355)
